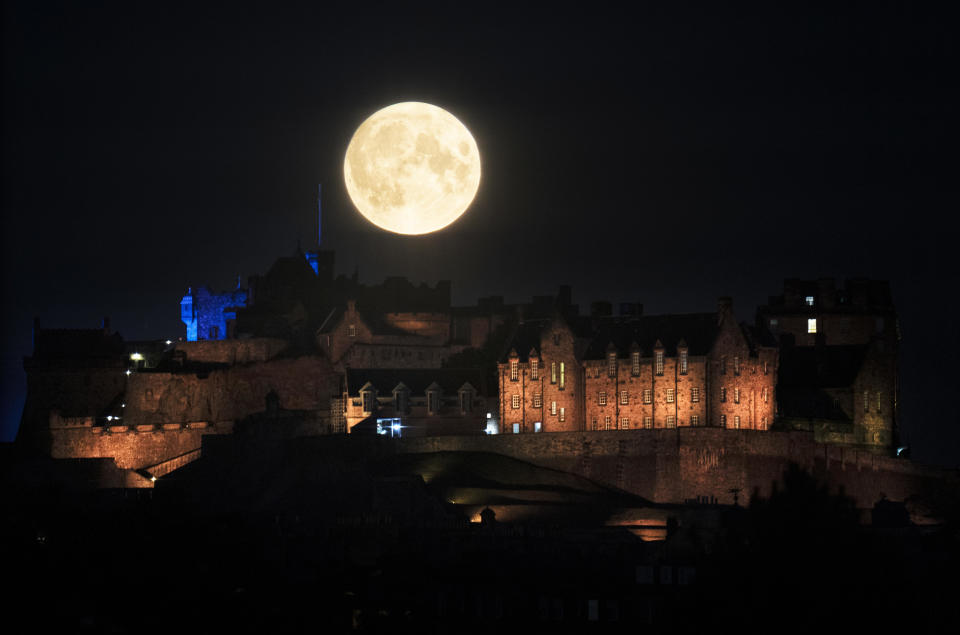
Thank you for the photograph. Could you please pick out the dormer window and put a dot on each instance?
(534, 369)
(611, 364)
(352, 330)
(369, 400)
(466, 401)
(433, 402)
(514, 369)
(684, 362)
(658, 362)
(635, 363)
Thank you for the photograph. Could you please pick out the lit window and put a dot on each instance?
(723, 394)
(553, 408)
(866, 401)
(723, 421)
(516, 428)
(774, 322)
(766, 396)
(537, 400)
(352, 330)
(624, 398)
(683, 362)
(669, 395)
(612, 365)
(514, 370)
(635, 363)
(515, 401)
(553, 372)
(594, 425)
(694, 420)
(695, 394)
(811, 325)
(606, 423)
(537, 426)
(671, 421)
(766, 368)
(658, 357)
(878, 402)
(648, 423)
(736, 365)
(563, 376)
(736, 395)
(534, 369)
(624, 424)
(736, 422)
(809, 300)
(563, 414)
(647, 395)
(602, 398)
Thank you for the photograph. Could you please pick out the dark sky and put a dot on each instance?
(668, 155)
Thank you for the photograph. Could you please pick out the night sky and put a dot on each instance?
(668, 155)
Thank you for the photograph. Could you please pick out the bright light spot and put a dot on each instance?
(129, 372)
(412, 168)
(136, 357)
(811, 325)
(489, 416)
(153, 479)
(109, 417)
(123, 405)
(169, 342)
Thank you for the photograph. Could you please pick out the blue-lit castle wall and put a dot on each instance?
(208, 315)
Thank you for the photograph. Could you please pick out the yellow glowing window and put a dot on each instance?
(514, 370)
(534, 369)
(563, 376)
(811, 325)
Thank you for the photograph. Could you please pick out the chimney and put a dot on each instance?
(724, 308)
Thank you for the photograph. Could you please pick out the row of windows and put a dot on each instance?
(648, 396)
(612, 367)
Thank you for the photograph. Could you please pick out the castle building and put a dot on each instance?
(635, 371)
(839, 349)
(416, 402)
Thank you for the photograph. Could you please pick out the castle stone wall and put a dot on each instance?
(671, 466)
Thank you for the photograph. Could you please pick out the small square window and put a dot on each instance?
(809, 300)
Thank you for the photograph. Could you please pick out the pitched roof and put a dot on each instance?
(416, 379)
(699, 330)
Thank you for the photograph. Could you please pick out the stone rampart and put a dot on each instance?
(672, 466)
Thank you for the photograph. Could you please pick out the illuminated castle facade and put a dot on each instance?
(639, 372)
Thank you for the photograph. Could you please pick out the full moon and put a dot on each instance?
(412, 168)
